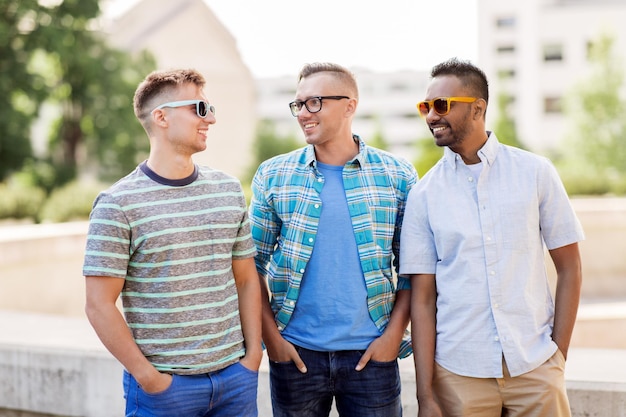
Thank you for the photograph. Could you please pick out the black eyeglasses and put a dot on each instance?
(202, 107)
(312, 104)
(441, 105)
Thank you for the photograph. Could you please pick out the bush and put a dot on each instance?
(579, 180)
(18, 201)
(71, 202)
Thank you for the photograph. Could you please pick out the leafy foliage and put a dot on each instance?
(267, 144)
(597, 114)
(21, 91)
(72, 201)
(54, 55)
(504, 126)
(378, 140)
(20, 201)
(428, 153)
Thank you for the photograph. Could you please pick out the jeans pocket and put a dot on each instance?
(163, 393)
(250, 371)
(392, 363)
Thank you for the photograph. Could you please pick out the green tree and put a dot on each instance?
(267, 144)
(94, 89)
(428, 153)
(378, 139)
(56, 55)
(597, 117)
(21, 91)
(504, 126)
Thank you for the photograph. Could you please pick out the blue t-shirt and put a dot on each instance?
(332, 313)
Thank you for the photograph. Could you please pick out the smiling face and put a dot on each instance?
(333, 121)
(457, 127)
(186, 132)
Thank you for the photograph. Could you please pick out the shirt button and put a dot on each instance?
(470, 179)
(310, 240)
(317, 206)
(320, 180)
(290, 303)
(492, 273)
(497, 339)
(280, 328)
(302, 271)
(488, 238)
(496, 305)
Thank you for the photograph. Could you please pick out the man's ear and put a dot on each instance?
(480, 106)
(158, 118)
(351, 109)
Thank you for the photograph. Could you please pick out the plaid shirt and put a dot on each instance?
(285, 211)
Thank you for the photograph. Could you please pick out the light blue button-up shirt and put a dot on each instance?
(484, 240)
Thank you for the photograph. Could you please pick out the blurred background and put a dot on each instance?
(69, 69)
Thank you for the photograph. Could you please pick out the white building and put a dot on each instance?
(542, 45)
(386, 106)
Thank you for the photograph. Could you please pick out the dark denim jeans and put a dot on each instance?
(229, 392)
(371, 392)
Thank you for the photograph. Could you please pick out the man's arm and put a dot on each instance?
(568, 286)
(249, 294)
(111, 328)
(423, 335)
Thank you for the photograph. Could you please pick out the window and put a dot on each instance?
(505, 74)
(505, 49)
(399, 87)
(506, 22)
(552, 105)
(553, 52)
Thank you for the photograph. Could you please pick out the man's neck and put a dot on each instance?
(337, 153)
(172, 168)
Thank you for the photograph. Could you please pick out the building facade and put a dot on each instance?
(536, 51)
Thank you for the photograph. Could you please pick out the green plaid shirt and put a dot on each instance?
(284, 215)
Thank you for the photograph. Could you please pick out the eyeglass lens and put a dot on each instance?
(203, 108)
(313, 105)
(440, 105)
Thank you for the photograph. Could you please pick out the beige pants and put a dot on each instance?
(538, 393)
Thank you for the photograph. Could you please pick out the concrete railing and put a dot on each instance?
(55, 365)
(41, 265)
(51, 362)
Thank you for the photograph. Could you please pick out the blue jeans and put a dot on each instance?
(229, 392)
(371, 392)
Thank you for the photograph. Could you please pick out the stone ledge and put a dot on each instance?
(54, 365)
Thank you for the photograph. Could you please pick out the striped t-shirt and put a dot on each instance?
(173, 243)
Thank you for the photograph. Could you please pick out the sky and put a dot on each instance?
(276, 37)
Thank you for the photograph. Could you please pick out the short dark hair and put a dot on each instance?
(470, 76)
(340, 73)
(159, 85)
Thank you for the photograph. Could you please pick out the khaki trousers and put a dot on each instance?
(538, 393)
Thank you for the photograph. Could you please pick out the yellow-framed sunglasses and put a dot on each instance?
(441, 105)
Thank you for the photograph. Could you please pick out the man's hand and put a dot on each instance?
(283, 351)
(382, 349)
(159, 383)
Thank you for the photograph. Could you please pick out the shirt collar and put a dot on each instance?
(487, 153)
(360, 158)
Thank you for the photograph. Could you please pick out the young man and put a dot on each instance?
(326, 222)
(488, 338)
(173, 239)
